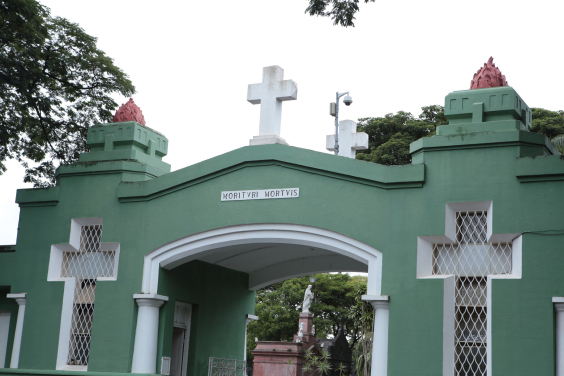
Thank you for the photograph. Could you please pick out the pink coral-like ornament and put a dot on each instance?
(488, 76)
(129, 112)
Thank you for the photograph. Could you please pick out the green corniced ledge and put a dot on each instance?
(17, 371)
(544, 168)
(484, 140)
(8, 248)
(108, 167)
(386, 177)
(38, 196)
(125, 154)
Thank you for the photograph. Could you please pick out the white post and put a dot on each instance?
(249, 319)
(146, 332)
(559, 308)
(381, 304)
(20, 298)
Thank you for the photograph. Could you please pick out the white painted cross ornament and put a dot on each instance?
(269, 94)
(349, 140)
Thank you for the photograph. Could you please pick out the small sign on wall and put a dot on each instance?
(260, 194)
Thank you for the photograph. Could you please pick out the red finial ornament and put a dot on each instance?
(488, 76)
(129, 112)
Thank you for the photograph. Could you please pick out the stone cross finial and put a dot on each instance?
(269, 94)
(349, 140)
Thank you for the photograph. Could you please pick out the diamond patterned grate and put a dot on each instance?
(226, 367)
(85, 265)
(471, 259)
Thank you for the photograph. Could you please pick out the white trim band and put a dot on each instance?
(21, 299)
(192, 247)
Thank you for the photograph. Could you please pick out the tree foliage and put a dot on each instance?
(389, 136)
(54, 84)
(278, 306)
(340, 11)
(549, 123)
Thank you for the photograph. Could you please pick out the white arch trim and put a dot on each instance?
(190, 247)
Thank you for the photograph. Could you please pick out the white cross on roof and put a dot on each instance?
(269, 94)
(349, 140)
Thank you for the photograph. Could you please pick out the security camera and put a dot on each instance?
(347, 100)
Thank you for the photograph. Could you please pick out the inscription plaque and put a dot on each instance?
(260, 194)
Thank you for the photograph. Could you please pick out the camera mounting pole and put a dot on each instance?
(339, 95)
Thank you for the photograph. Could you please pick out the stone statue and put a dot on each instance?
(308, 297)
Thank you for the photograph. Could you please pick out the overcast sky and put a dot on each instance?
(191, 62)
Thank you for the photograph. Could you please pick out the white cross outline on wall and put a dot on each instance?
(425, 249)
(61, 268)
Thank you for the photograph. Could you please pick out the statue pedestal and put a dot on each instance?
(305, 332)
(285, 358)
(278, 359)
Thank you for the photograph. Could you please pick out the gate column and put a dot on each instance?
(380, 340)
(146, 332)
(559, 308)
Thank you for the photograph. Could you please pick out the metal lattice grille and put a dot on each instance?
(471, 259)
(85, 265)
(83, 310)
(88, 264)
(226, 367)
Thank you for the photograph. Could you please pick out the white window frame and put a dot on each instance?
(54, 274)
(425, 271)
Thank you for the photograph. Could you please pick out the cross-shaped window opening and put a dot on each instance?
(471, 259)
(85, 265)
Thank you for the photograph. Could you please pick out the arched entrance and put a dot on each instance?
(268, 252)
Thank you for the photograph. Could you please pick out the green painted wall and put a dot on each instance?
(219, 316)
(384, 207)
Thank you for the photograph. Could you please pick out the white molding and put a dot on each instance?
(376, 298)
(191, 247)
(73, 368)
(380, 346)
(489, 294)
(17, 296)
(559, 334)
(16, 347)
(66, 323)
(252, 317)
(4, 332)
(248, 320)
(449, 302)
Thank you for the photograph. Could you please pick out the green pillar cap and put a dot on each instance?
(126, 140)
(485, 110)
